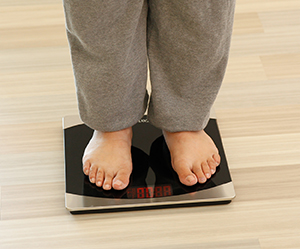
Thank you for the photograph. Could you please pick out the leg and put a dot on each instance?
(188, 46)
(108, 48)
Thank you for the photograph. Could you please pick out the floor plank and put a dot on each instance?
(258, 111)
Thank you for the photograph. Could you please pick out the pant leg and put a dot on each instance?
(107, 41)
(188, 46)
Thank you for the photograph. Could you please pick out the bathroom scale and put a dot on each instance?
(153, 182)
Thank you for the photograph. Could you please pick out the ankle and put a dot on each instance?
(181, 133)
(124, 134)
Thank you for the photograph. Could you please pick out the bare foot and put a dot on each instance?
(107, 159)
(194, 155)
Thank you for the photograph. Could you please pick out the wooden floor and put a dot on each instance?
(258, 110)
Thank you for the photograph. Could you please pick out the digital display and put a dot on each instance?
(149, 192)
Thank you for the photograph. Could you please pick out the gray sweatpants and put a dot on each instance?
(187, 44)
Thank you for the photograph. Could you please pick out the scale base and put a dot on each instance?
(153, 182)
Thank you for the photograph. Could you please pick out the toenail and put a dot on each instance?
(190, 178)
(93, 180)
(99, 183)
(202, 179)
(118, 183)
(207, 175)
(212, 171)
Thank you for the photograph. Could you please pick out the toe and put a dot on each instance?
(212, 164)
(199, 173)
(206, 170)
(217, 158)
(186, 176)
(93, 173)
(107, 182)
(99, 178)
(121, 180)
(86, 167)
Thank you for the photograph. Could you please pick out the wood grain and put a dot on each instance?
(258, 111)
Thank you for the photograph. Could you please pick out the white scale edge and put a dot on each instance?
(224, 192)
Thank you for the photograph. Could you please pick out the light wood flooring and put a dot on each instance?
(258, 111)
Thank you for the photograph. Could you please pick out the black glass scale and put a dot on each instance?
(153, 182)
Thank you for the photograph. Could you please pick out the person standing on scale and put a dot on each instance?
(187, 44)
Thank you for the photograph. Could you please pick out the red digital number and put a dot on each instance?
(143, 192)
(158, 191)
(140, 193)
(131, 193)
(149, 192)
(167, 190)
